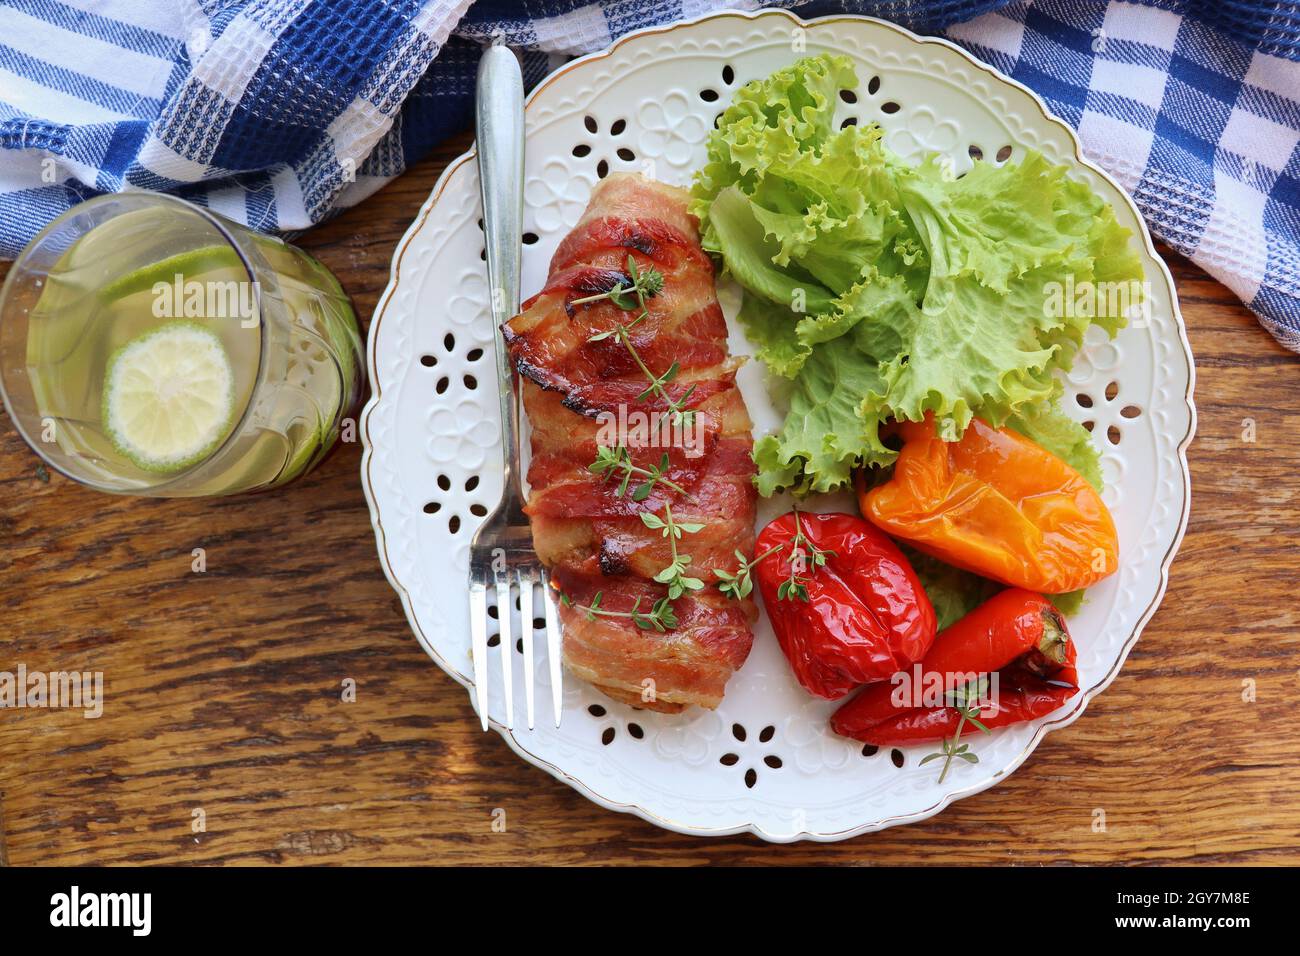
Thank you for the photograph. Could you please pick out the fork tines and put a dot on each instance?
(525, 578)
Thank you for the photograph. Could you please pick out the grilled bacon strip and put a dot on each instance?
(577, 393)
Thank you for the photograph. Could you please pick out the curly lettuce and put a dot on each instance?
(888, 291)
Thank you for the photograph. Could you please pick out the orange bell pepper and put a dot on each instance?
(996, 504)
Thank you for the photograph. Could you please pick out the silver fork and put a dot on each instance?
(502, 552)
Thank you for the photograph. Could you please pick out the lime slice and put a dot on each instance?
(169, 397)
(189, 264)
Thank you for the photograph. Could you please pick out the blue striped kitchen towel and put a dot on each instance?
(277, 113)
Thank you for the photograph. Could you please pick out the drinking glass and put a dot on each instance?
(151, 347)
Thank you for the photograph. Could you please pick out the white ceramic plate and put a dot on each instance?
(766, 761)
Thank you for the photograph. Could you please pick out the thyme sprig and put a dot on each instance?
(674, 575)
(739, 583)
(660, 617)
(645, 284)
(802, 550)
(966, 699)
(616, 460)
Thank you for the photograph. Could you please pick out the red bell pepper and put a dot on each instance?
(846, 606)
(1016, 634)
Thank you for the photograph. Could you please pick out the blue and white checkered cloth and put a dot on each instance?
(277, 113)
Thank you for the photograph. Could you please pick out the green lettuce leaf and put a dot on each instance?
(1068, 603)
(749, 256)
(825, 434)
(887, 291)
(774, 122)
(953, 592)
(772, 330)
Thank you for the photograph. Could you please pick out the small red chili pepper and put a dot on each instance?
(1016, 634)
(846, 606)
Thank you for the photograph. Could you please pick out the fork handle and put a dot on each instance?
(499, 126)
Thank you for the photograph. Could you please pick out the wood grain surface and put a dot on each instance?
(222, 688)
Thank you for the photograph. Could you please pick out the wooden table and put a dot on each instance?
(223, 687)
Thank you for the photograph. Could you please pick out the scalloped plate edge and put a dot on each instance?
(649, 816)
